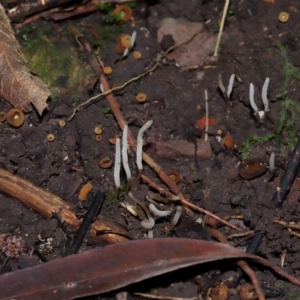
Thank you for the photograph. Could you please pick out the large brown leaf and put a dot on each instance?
(17, 85)
(105, 269)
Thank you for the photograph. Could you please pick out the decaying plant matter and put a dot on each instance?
(116, 266)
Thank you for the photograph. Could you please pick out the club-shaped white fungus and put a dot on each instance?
(264, 94)
(132, 40)
(251, 97)
(139, 148)
(272, 162)
(176, 217)
(230, 85)
(101, 88)
(150, 234)
(125, 157)
(159, 213)
(117, 166)
(126, 51)
(221, 85)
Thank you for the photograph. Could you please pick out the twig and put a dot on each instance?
(150, 296)
(117, 88)
(252, 248)
(241, 263)
(87, 221)
(221, 27)
(288, 176)
(204, 211)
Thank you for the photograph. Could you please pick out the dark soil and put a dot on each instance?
(251, 48)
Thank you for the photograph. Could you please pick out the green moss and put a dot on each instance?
(57, 63)
(107, 33)
(286, 119)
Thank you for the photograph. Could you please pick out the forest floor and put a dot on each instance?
(255, 45)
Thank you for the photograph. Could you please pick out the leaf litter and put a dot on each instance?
(115, 266)
(17, 84)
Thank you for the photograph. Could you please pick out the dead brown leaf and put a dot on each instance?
(115, 266)
(17, 85)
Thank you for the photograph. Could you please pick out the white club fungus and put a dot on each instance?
(139, 148)
(117, 166)
(158, 212)
(264, 94)
(125, 157)
(251, 97)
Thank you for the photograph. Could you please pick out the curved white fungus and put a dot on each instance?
(139, 147)
(125, 156)
(159, 213)
(264, 94)
(117, 166)
(176, 217)
(251, 97)
(133, 38)
(230, 85)
(272, 162)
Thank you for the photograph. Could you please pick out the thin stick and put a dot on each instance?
(221, 27)
(204, 211)
(241, 263)
(87, 221)
(117, 88)
(206, 108)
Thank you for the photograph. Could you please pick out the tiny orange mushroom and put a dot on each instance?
(125, 11)
(201, 123)
(84, 191)
(228, 141)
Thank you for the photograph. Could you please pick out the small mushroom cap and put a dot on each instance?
(107, 70)
(2, 116)
(62, 123)
(125, 40)
(119, 48)
(283, 17)
(15, 118)
(50, 137)
(105, 163)
(98, 137)
(125, 11)
(137, 54)
(98, 130)
(141, 97)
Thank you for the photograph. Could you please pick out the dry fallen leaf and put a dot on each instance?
(115, 266)
(17, 85)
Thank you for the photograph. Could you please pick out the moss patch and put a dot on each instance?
(57, 62)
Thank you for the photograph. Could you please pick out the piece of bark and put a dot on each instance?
(47, 203)
(182, 148)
